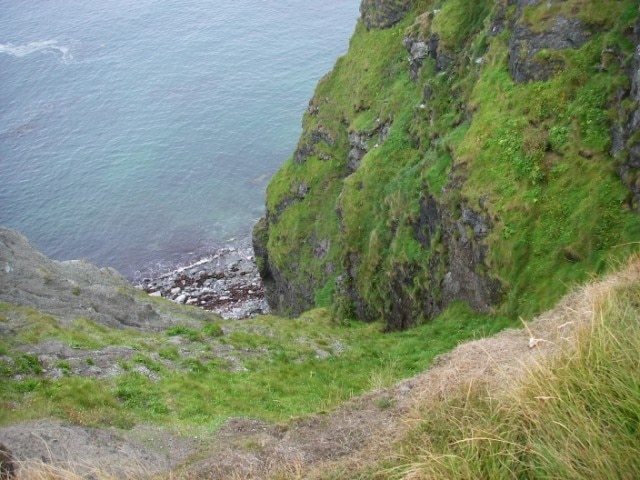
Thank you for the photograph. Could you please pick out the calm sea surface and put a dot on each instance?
(141, 133)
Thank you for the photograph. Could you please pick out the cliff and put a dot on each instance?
(484, 152)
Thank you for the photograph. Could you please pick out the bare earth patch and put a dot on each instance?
(82, 450)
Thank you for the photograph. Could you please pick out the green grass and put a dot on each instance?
(458, 20)
(536, 155)
(603, 16)
(267, 368)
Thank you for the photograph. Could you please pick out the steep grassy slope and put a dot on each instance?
(196, 378)
(476, 151)
(83, 352)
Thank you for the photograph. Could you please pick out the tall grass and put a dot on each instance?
(577, 416)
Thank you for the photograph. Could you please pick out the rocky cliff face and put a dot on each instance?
(626, 141)
(460, 151)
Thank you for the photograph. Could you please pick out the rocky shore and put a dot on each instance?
(226, 283)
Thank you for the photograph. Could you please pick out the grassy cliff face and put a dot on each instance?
(467, 151)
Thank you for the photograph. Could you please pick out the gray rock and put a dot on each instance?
(524, 64)
(72, 289)
(419, 50)
(359, 141)
(306, 145)
(476, 222)
(354, 158)
(455, 270)
(300, 189)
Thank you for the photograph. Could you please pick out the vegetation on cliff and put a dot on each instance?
(559, 398)
(460, 151)
(81, 344)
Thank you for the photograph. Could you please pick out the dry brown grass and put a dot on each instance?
(554, 400)
(39, 470)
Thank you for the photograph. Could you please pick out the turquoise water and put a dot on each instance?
(137, 134)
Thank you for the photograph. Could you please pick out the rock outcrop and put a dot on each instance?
(530, 51)
(383, 13)
(307, 146)
(75, 289)
(362, 142)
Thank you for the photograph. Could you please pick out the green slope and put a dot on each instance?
(462, 153)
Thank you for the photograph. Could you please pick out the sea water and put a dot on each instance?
(141, 133)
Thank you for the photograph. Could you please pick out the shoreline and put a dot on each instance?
(225, 282)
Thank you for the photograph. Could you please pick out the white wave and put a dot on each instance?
(39, 46)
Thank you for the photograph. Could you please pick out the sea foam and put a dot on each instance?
(38, 46)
